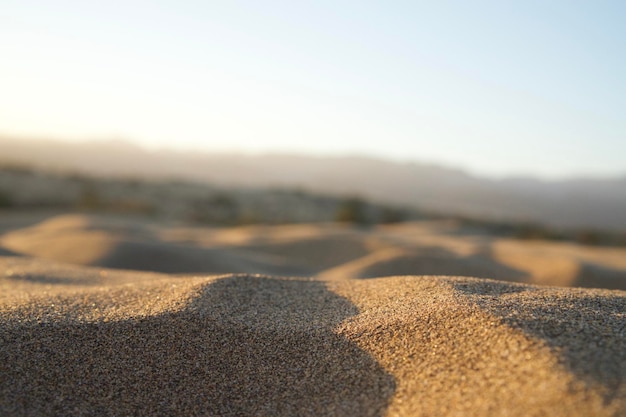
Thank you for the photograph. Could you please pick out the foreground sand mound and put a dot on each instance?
(102, 342)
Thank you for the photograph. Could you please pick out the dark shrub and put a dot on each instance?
(353, 210)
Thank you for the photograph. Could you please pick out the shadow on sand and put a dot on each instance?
(586, 331)
(596, 276)
(8, 252)
(246, 346)
(440, 261)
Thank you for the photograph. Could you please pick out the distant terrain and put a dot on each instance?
(584, 202)
(23, 189)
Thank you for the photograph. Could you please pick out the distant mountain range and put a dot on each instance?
(581, 202)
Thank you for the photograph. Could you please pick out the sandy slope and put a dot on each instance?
(81, 333)
(327, 251)
(91, 341)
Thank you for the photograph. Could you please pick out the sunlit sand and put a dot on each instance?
(102, 315)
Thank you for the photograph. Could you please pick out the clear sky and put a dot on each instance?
(497, 87)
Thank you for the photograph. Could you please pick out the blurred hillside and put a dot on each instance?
(580, 203)
(27, 190)
(24, 188)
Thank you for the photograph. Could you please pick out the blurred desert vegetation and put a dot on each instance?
(25, 188)
(585, 202)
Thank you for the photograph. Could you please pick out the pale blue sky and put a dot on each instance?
(496, 87)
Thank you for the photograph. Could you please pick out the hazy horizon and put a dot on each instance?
(496, 89)
(124, 142)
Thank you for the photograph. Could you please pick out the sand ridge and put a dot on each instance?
(327, 251)
(103, 336)
(259, 345)
(233, 345)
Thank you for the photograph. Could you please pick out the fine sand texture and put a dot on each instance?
(103, 316)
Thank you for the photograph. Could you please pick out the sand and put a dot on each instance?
(84, 339)
(326, 251)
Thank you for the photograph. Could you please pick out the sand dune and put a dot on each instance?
(92, 341)
(85, 330)
(429, 261)
(103, 242)
(327, 251)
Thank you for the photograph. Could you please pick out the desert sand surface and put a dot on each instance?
(102, 315)
(325, 251)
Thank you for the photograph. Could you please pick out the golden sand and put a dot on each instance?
(87, 340)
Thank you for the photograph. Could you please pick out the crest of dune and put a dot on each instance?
(103, 315)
